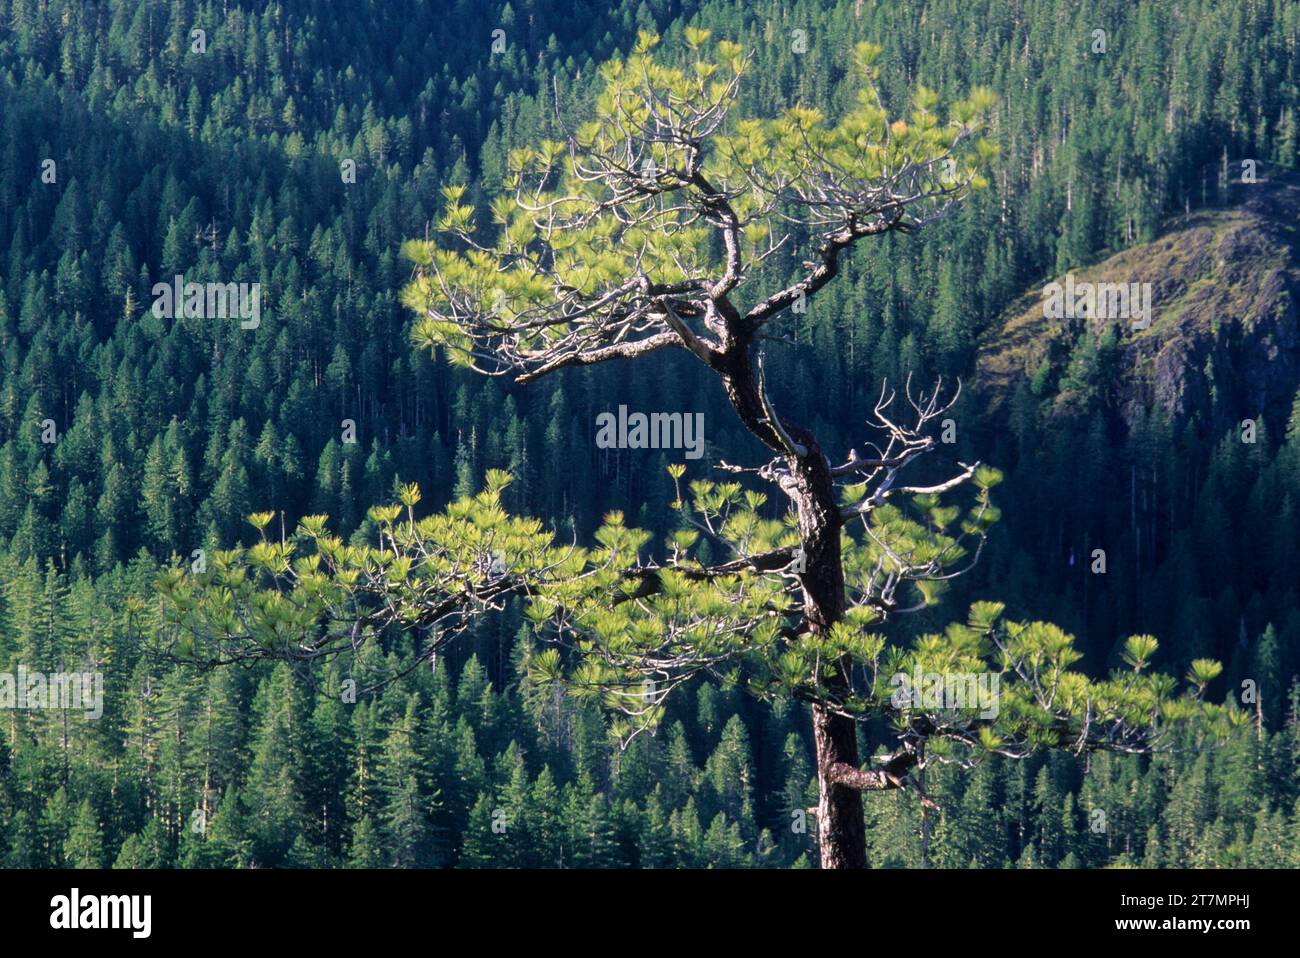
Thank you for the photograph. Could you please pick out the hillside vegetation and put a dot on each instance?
(225, 165)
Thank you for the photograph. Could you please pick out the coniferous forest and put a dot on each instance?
(1148, 482)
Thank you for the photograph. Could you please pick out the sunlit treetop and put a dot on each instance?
(653, 217)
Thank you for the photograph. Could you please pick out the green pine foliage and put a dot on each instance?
(226, 166)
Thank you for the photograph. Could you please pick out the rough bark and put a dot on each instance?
(810, 486)
(841, 831)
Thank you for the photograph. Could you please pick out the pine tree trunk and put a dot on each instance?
(841, 832)
(840, 827)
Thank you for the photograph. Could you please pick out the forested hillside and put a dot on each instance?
(127, 157)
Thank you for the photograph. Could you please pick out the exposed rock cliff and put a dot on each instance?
(1223, 341)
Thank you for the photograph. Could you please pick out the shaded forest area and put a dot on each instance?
(225, 165)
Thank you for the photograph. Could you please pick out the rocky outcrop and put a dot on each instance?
(1224, 338)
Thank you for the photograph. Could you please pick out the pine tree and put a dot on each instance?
(483, 838)
(366, 850)
(84, 847)
(274, 800)
(655, 842)
(402, 780)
